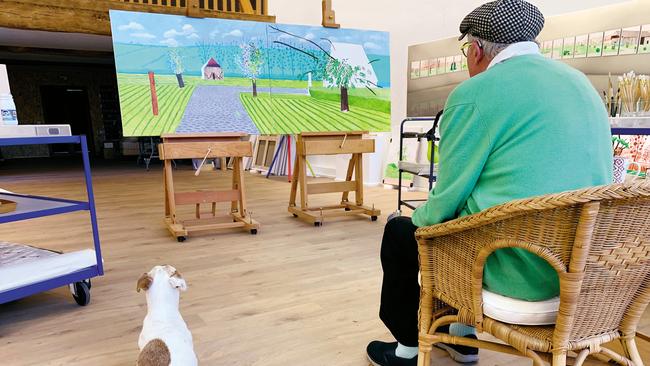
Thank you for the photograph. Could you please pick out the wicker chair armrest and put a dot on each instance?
(539, 203)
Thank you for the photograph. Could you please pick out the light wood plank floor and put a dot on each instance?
(292, 295)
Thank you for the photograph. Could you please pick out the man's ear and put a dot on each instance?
(177, 281)
(479, 54)
(144, 282)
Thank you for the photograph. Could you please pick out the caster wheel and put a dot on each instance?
(347, 209)
(373, 218)
(181, 239)
(81, 293)
(253, 231)
(317, 224)
(88, 283)
(294, 215)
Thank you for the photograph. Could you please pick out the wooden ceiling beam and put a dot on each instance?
(91, 17)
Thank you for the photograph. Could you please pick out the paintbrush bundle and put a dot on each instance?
(634, 93)
(644, 85)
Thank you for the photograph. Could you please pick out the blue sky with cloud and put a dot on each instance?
(179, 31)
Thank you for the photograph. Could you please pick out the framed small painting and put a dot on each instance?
(415, 69)
(595, 44)
(612, 42)
(644, 39)
(630, 40)
(581, 45)
(557, 49)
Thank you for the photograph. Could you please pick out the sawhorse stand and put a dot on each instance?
(206, 146)
(331, 143)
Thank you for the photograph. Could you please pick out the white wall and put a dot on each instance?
(421, 21)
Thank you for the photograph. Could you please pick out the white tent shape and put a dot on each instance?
(354, 55)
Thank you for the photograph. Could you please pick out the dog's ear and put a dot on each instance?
(177, 281)
(144, 282)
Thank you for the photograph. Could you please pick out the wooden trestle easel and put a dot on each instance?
(331, 143)
(206, 146)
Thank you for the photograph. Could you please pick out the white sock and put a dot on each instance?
(405, 352)
(461, 330)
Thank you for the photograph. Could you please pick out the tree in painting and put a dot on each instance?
(345, 76)
(176, 65)
(251, 62)
(338, 73)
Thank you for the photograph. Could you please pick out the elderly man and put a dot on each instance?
(522, 125)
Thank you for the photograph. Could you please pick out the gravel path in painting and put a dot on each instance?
(219, 109)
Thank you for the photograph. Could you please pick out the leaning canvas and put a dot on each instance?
(180, 74)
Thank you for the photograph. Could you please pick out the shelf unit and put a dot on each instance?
(31, 207)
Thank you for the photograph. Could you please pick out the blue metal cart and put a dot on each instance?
(30, 207)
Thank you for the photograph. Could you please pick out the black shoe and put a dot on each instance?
(383, 354)
(461, 354)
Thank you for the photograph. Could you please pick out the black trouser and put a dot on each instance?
(400, 291)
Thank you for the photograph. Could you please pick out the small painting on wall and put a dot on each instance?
(415, 69)
(463, 64)
(629, 40)
(595, 48)
(433, 66)
(424, 68)
(611, 42)
(568, 47)
(449, 62)
(458, 60)
(546, 48)
(644, 39)
(557, 49)
(441, 69)
(581, 44)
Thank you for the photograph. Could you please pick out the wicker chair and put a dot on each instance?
(598, 240)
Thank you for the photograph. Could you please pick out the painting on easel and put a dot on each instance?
(180, 74)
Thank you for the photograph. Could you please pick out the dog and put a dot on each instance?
(165, 339)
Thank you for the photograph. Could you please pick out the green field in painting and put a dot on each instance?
(289, 114)
(376, 100)
(137, 115)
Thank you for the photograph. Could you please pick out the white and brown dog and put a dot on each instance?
(165, 339)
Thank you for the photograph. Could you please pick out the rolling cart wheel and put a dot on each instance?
(81, 293)
(348, 209)
(294, 215)
(181, 239)
(253, 231)
(373, 218)
(88, 283)
(317, 224)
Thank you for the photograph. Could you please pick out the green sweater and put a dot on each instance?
(527, 126)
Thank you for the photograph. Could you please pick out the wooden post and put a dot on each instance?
(154, 95)
(246, 7)
(329, 16)
(193, 9)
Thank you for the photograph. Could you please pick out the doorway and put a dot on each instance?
(68, 105)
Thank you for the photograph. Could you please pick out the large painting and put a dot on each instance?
(180, 74)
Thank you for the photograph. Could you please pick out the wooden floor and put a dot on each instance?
(292, 295)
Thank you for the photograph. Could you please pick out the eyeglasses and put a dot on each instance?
(466, 46)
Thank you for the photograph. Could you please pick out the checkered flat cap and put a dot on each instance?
(503, 21)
